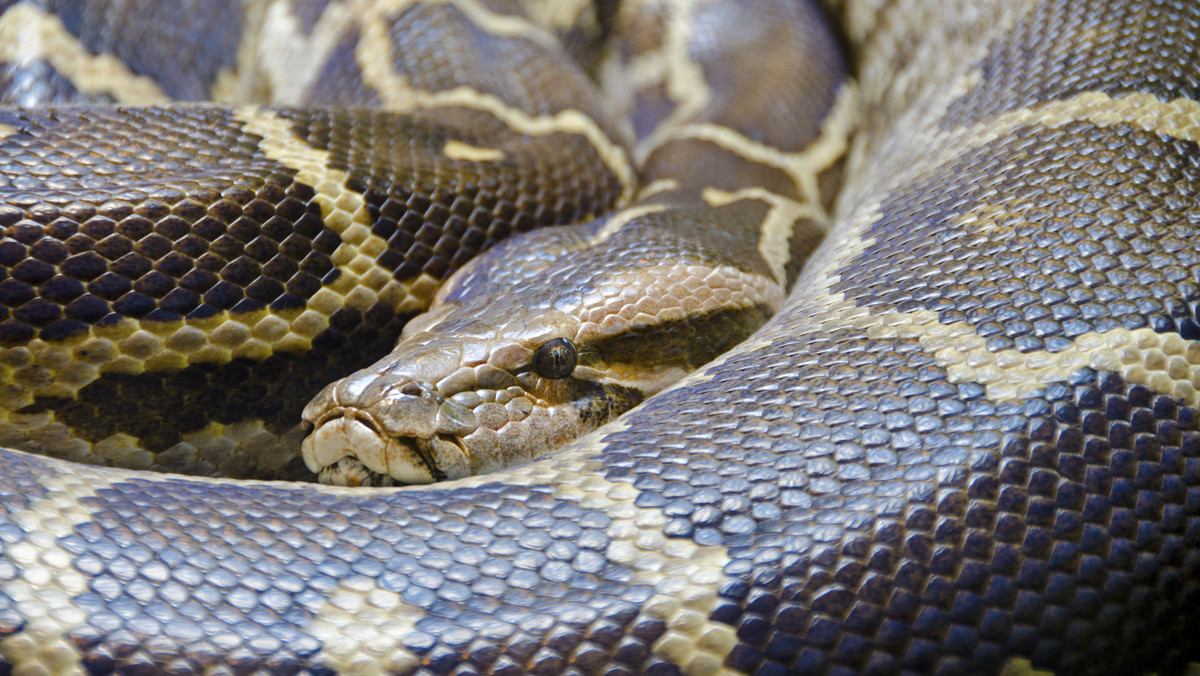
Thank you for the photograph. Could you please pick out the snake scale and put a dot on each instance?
(966, 443)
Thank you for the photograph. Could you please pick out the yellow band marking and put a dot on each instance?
(777, 228)
(46, 584)
(61, 368)
(505, 25)
(682, 77)
(846, 243)
(344, 211)
(1178, 118)
(397, 93)
(362, 629)
(621, 79)
(284, 73)
(1165, 362)
(560, 15)
(378, 13)
(909, 82)
(399, 97)
(858, 19)
(283, 64)
(803, 166)
(29, 35)
(621, 218)
(457, 150)
(685, 576)
(656, 187)
(644, 71)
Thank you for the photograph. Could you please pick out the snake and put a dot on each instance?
(964, 442)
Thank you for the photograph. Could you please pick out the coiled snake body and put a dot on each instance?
(966, 443)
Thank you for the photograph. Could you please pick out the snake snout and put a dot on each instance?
(400, 435)
(356, 437)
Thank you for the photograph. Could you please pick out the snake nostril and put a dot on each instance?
(412, 390)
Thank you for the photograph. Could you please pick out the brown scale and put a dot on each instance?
(191, 245)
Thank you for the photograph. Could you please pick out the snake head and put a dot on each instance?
(512, 362)
(444, 407)
(391, 423)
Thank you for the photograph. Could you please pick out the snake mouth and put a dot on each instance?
(352, 473)
(350, 447)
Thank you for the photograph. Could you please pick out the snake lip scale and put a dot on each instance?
(896, 301)
(356, 434)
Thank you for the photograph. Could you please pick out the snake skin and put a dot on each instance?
(214, 266)
(966, 445)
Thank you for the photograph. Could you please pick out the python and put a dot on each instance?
(962, 444)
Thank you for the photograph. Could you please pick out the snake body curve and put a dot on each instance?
(967, 443)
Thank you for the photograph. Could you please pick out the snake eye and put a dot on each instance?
(555, 359)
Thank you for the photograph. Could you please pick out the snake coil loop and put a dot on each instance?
(966, 441)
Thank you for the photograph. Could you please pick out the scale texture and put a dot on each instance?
(966, 444)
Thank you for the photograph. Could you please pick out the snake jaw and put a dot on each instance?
(409, 435)
(351, 473)
(355, 437)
